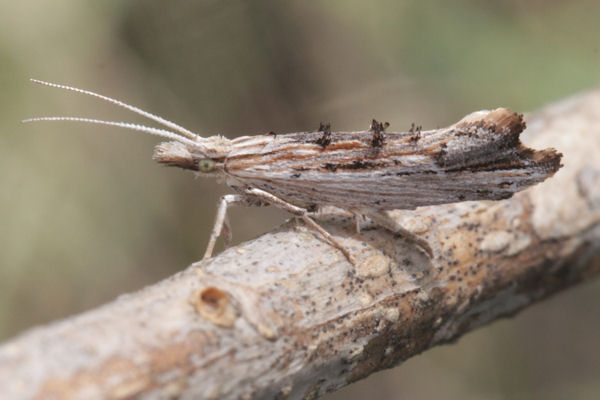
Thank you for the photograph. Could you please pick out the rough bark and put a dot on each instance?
(286, 316)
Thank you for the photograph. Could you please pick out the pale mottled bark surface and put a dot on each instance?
(286, 315)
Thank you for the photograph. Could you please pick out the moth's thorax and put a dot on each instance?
(215, 147)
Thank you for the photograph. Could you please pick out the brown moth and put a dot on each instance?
(366, 172)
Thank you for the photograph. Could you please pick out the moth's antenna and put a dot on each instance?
(184, 132)
(127, 125)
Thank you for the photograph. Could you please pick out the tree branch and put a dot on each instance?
(286, 315)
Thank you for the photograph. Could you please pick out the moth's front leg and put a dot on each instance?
(221, 220)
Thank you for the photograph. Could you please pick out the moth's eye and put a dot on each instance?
(206, 165)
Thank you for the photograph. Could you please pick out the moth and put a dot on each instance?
(366, 173)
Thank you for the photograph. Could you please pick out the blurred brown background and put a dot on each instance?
(87, 215)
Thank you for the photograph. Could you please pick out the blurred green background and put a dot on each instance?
(87, 215)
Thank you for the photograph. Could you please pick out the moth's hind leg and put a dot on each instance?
(221, 224)
(358, 220)
(324, 211)
(383, 219)
(305, 215)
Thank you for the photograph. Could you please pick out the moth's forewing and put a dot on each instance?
(479, 158)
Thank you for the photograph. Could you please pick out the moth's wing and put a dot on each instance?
(478, 158)
(386, 191)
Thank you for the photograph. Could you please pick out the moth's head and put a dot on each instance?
(206, 155)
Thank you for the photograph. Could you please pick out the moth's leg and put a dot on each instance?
(221, 222)
(320, 212)
(226, 233)
(357, 218)
(383, 219)
(304, 214)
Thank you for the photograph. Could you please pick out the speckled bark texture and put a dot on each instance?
(286, 316)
